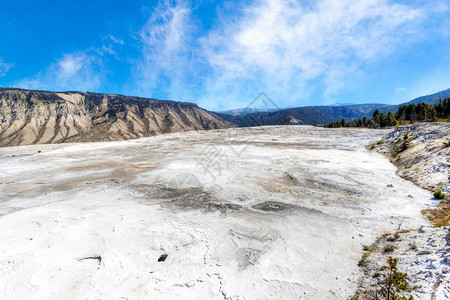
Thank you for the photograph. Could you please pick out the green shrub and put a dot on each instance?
(439, 194)
(392, 284)
(368, 248)
(405, 143)
(367, 251)
(362, 261)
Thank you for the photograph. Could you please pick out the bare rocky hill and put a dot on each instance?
(38, 117)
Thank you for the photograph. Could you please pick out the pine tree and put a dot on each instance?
(393, 282)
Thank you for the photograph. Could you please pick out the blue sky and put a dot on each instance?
(221, 54)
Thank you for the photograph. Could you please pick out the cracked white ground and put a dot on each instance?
(258, 213)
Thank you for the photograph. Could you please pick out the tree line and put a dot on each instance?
(422, 112)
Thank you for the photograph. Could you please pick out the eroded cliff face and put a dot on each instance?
(38, 117)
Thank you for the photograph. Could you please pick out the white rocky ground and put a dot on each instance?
(258, 213)
(427, 161)
(423, 253)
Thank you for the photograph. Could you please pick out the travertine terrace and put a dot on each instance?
(256, 213)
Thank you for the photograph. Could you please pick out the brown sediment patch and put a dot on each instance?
(90, 166)
(302, 187)
(118, 175)
(274, 186)
(291, 179)
(22, 187)
(289, 183)
(439, 216)
(317, 161)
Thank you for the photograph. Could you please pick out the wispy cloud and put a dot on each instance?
(110, 42)
(4, 68)
(75, 71)
(81, 70)
(293, 50)
(286, 44)
(298, 52)
(168, 51)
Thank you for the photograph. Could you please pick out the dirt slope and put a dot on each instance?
(38, 117)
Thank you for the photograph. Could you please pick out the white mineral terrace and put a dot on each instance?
(258, 213)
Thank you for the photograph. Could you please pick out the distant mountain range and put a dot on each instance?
(431, 99)
(39, 117)
(251, 110)
(308, 115)
(314, 115)
(247, 110)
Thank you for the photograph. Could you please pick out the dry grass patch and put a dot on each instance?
(439, 216)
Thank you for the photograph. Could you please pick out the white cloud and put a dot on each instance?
(292, 50)
(109, 43)
(81, 70)
(167, 49)
(75, 71)
(4, 68)
(286, 44)
(116, 40)
(71, 64)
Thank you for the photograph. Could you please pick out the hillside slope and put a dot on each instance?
(38, 117)
(431, 99)
(308, 115)
(314, 115)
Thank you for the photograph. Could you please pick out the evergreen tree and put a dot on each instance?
(391, 120)
(364, 121)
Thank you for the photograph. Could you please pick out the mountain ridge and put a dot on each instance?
(42, 117)
(320, 115)
(431, 99)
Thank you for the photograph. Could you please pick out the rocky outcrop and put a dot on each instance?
(38, 117)
(426, 159)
